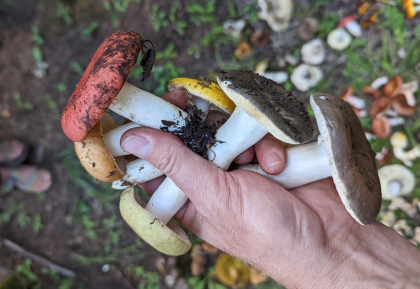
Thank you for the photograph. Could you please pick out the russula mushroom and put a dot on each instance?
(343, 152)
(169, 239)
(231, 271)
(277, 13)
(262, 106)
(396, 180)
(400, 105)
(203, 93)
(408, 89)
(339, 39)
(307, 28)
(351, 25)
(399, 142)
(102, 80)
(410, 8)
(392, 86)
(353, 100)
(313, 52)
(306, 76)
(234, 28)
(94, 155)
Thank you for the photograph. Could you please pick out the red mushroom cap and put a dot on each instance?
(381, 127)
(371, 92)
(101, 82)
(346, 20)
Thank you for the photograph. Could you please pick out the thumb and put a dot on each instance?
(190, 172)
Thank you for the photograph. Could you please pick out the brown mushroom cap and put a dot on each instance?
(101, 82)
(400, 105)
(379, 105)
(95, 156)
(393, 85)
(351, 158)
(270, 104)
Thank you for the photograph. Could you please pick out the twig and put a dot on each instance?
(61, 270)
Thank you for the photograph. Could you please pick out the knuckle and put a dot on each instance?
(166, 160)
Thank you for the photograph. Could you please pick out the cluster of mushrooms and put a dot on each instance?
(256, 105)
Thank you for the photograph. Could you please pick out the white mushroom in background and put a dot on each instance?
(351, 25)
(277, 76)
(277, 13)
(396, 180)
(339, 39)
(306, 76)
(399, 142)
(234, 27)
(313, 52)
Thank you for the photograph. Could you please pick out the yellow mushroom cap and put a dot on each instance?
(169, 239)
(231, 271)
(95, 156)
(204, 89)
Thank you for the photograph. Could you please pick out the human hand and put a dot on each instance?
(301, 238)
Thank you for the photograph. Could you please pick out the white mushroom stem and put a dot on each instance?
(201, 104)
(137, 172)
(305, 164)
(147, 109)
(113, 137)
(168, 198)
(408, 90)
(355, 101)
(407, 156)
(379, 82)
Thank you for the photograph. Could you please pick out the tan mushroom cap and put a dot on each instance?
(95, 156)
(204, 89)
(231, 271)
(169, 239)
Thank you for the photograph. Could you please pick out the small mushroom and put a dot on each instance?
(410, 8)
(392, 86)
(277, 76)
(408, 89)
(306, 76)
(379, 105)
(243, 50)
(353, 100)
(277, 13)
(381, 126)
(379, 82)
(399, 142)
(351, 25)
(262, 106)
(339, 39)
(400, 105)
(396, 180)
(234, 28)
(307, 28)
(343, 152)
(231, 271)
(313, 52)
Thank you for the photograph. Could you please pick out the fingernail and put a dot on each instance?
(272, 159)
(137, 145)
(244, 155)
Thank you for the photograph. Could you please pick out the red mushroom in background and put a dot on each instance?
(101, 82)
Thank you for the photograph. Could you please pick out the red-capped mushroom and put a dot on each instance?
(354, 101)
(381, 127)
(351, 25)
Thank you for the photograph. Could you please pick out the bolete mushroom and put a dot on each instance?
(262, 106)
(396, 180)
(343, 152)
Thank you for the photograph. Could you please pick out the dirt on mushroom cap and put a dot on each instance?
(101, 82)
